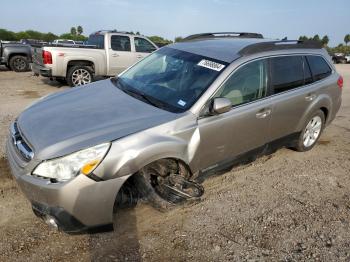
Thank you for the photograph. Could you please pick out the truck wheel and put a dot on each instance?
(19, 63)
(79, 75)
(311, 132)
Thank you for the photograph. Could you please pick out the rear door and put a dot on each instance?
(245, 127)
(292, 93)
(143, 48)
(120, 55)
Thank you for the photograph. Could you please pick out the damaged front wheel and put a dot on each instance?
(167, 182)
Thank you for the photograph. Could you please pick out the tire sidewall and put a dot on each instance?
(301, 146)
(14, 68)
(74, 68)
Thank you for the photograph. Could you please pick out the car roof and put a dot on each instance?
(228, 49)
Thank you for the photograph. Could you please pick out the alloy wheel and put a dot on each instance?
(312, 131)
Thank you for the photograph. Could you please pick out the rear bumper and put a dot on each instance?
(76, 205)
(40, 70)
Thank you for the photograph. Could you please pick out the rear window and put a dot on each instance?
(97, 40)
(319, 67)
(287, 73)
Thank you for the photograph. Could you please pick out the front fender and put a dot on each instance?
(130, 154)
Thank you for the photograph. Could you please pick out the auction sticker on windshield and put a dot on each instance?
(211, 65)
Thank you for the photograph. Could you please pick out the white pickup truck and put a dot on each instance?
(107, 53)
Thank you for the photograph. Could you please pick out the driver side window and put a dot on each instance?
(247, 84)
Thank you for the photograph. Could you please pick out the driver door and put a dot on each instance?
(245, 127)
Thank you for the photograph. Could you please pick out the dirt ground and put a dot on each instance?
(287, 206)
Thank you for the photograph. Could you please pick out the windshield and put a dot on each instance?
(170, 79)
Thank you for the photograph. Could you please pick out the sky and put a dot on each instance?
(273, 18)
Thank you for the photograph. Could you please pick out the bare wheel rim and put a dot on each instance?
(19, 64)
(312, 131)
(81, 77)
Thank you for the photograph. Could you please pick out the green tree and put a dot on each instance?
(22, 35)
(79, 29)
(316, 38)
(347, 39)
(7, 35)
(303, 38)
(178, 39)
(73, 31)
(325, 40)
(49, 37)
(160, 41)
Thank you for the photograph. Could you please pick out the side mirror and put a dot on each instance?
(220, 105)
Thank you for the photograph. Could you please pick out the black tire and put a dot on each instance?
(19, 63)
(300, 146)
(75, 69)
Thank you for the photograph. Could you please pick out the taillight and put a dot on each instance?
(340, 82)
(47, 57)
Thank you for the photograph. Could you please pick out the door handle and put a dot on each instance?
(310, 97)
(115, 55)
(263, 113)
(139, 56)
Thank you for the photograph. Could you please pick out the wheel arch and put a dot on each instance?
(323, 103)
(71, 63)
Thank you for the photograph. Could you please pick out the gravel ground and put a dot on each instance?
(287, 206)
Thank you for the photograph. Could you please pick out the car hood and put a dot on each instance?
(72, 120)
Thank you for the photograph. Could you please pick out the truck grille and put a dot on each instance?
(21, 146)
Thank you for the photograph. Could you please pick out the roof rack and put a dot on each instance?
(280, 45)
(223, 34)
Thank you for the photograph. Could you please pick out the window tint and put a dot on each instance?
(143, 46)
(247, 84)
(120, 43)
(97, 40)
(307, 72)
(287, 73)
(319, 68)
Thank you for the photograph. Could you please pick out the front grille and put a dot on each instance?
(21, 146)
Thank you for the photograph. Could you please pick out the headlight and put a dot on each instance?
(67, 167)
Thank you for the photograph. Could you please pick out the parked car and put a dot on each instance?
(187, 110)
(107, 53)
(339, 58)
(347, 57)
(63, 42)
(15, 56)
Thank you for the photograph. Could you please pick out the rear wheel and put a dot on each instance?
(19, 63)
(79, 75)
(311, 132)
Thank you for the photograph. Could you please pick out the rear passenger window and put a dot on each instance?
(319, 67)
(287, 73)
(120, 43)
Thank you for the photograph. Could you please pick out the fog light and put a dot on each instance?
(51, 221)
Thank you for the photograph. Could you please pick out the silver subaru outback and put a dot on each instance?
(190, 109)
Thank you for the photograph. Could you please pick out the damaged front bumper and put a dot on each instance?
(75, 205)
